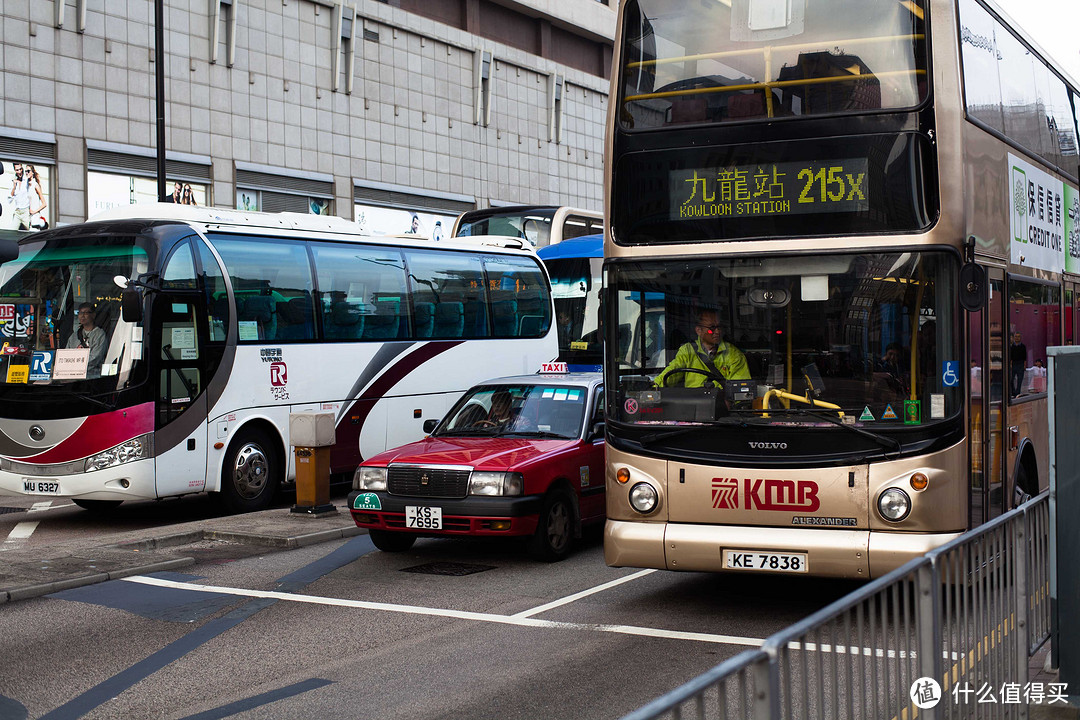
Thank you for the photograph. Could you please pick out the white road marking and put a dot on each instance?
(21, 531)
(456, 614)
(584, 593)
(39, 506)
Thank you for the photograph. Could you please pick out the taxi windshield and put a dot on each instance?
(541, 410)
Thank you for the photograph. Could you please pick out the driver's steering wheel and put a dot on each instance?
(715, 376)
(484, 423)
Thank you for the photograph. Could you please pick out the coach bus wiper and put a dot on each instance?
(659, 435)
(90, 399)
(882, 440)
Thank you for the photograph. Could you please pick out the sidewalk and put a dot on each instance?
(1040, 672)
(30, 572)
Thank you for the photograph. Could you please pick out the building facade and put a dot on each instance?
(396, 114)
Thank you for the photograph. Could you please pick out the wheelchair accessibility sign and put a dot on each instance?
(950, 373)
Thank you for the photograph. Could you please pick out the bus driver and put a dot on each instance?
(710, 348)
(90, 336)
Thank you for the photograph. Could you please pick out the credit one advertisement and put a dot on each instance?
(1044, 219)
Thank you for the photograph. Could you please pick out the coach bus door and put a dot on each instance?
(986, 343)
(177, 317)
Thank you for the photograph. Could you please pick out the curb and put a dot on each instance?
(32, 591)
(285, 543)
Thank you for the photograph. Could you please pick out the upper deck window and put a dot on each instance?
(687, 61)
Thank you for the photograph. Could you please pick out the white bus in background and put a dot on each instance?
(233, 320)
(540, 225)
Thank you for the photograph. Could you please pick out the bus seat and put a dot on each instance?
(475, 318)
(423, 319)
(687, 110)
(449, 320)
(294, 319)
(345, 322)
(746, 105)
(530, 325)
(383, 324)
(258, 309)
(504, 317)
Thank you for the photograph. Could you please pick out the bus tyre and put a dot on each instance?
(388, 541)
(251, 474)
(98, 506)
(554, 536)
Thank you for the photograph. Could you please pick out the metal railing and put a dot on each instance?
(968, 615)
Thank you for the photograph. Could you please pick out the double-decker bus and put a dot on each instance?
(184, 381)
(540, 225)
(575, 269)
(854, 225)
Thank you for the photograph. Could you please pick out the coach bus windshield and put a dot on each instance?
(687, 61)
(866, 340)
(60, 317)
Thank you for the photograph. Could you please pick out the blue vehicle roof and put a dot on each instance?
(586, 246)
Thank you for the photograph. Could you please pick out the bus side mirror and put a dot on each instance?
(430, 425)
(9, 250)
(131, 305)
(972, 287)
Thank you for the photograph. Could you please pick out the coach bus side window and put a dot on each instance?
(362, 292)
(440, 283)
(217, 298)
(273, 287)
(518, 297)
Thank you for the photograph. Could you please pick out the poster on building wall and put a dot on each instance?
(376, 220)
(1072, 229)
(24, 195)
(105, 191)
(1038, 216)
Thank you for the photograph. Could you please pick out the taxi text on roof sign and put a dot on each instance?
(558, 368)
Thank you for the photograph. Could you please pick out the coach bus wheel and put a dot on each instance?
(391, 541)
(554, 534)
(98, 506)
(251, 472)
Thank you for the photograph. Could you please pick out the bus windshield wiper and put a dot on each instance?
(832, 417)
(659, 435)
(89, 398)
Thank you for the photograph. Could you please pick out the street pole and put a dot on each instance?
(159, 76)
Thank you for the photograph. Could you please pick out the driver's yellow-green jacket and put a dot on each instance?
(729, 360)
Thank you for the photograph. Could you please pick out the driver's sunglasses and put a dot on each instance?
(710, 328)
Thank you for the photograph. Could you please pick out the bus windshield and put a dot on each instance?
(575, 268)
(685, 61)
(858, 339)
(60, 316)
(537, 224)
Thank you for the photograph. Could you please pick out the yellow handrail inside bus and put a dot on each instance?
(770, 84)
(785, 395)
(821, 46)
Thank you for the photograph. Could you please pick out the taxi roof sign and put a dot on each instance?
(553, 368)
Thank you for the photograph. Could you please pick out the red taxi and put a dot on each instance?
(515, 457)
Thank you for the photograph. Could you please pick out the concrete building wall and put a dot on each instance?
(410, 120)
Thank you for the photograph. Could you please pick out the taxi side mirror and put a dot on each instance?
(430, 425)
(596, 431)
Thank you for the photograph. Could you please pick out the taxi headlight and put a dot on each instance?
(369, 478)
(643, 498)
(496, 484)
(134, 449)
(894, 504)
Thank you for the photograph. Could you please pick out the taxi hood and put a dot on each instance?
(506, 454)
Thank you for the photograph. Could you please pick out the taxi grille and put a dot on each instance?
(427, 482)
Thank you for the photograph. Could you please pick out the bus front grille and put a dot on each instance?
(427, 482)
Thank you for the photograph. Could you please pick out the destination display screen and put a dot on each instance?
(769, 189)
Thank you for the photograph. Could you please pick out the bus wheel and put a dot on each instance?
(1024, 484)
(554, 534)
(98, 506)
(251, 473)
(391, 541)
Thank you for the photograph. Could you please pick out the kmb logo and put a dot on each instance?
(279, 374)
(762, 494)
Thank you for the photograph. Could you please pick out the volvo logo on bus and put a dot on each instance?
(768, 445)
(765, 494)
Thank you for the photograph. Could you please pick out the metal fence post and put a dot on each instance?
(928, 626)
(767, 686)
(1020, 588)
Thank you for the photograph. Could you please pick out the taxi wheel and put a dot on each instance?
(98, 506)
(391, 541)
(554, 536)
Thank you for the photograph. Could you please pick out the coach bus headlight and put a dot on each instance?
(369, 478)
(134, 449)
(643, 498)
(498, 484)
(894, 504)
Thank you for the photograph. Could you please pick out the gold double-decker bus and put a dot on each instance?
(840, 236)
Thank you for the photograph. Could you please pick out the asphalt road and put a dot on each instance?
(449, 629)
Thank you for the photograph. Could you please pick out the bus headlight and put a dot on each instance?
(643, 498)
(134, 449)
(369, 478)
(894, 504)
(497, 484)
